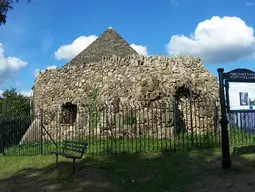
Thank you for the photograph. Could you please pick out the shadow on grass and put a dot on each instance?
(238, 151)
(159, 172)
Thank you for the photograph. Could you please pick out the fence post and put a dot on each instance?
(41, 129)
(175, 115)
(215, 118)
(190, 96)
(175, 108)
(1, 138)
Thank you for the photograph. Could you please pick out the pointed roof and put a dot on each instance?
(107, 44)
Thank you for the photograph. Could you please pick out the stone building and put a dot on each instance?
(120, 76)
(115, 68)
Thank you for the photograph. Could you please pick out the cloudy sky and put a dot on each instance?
(47, 34)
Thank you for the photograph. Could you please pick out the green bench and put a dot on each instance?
(72, 150)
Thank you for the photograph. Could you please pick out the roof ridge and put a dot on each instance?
(108, 43)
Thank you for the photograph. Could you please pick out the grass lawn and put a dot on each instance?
(152, 172)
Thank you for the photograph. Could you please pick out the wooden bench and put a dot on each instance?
(73, 150)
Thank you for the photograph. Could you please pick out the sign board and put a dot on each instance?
(240, 90)
(237, 90)
(241, 96)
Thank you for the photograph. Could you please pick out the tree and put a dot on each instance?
(13, 104)
(5, 6)
(14, 117)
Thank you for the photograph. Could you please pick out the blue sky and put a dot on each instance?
(48, 33)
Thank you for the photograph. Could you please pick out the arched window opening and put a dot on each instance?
(186, 92)
(69, 113)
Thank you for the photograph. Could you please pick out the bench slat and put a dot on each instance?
(76, 142)
(74, 150)
(72, 156)
(75, 146)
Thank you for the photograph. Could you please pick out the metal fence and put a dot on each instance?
(166, 126)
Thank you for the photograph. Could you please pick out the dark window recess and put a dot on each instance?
(68, 114)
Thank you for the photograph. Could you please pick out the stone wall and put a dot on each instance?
(136, 80)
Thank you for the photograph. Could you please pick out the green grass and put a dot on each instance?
(150, 172)
(182, 142)
(161, 165)
(238, 137)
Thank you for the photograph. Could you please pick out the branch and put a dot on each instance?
(5, 6)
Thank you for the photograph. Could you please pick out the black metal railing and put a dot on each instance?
(161, 126)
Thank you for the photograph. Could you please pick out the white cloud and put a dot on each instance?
(218, 40)
(51, 67)
(26, 93)
(1, 92)
(22, 92)
(70, 51)
(142, 50)
(9, 65)
(46, 42)
(37, 71)
(73, 49)
(250, 4)
(175, 2)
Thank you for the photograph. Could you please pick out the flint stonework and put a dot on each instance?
(124, 78)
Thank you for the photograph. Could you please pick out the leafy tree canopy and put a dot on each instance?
(5, 7)
(13, 104)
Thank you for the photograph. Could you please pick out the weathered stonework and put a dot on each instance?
(157, 86)
(135, 79)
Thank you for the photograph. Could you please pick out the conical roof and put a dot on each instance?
(107, 44)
